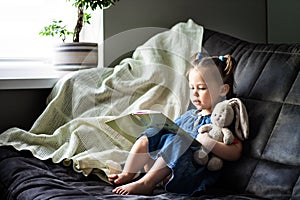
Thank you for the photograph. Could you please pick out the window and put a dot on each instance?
(22, 20)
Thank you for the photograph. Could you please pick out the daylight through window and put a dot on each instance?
(22, 20)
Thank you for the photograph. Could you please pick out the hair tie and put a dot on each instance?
(222, 58)
(199, 56)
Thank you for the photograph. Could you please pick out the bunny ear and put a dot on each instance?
(241, 122)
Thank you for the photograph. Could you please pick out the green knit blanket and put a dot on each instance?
(72, 130)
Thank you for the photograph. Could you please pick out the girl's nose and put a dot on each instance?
(195, 92)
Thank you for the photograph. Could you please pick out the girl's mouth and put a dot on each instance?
(197, 102)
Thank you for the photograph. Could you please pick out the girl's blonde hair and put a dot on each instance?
(226, 66)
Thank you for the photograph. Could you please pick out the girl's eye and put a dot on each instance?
(198, 88)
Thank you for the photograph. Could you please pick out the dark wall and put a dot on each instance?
(241, 18)
(283, 21)
(264, 21)
(129, 23)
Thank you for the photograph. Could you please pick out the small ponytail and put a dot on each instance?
(230, 65)
(228, 74)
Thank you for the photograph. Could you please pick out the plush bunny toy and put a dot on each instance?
(222, 116)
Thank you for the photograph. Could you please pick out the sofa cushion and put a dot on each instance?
(267, 80)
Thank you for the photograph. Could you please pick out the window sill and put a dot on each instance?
(29, 77)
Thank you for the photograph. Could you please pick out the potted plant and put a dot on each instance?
(76, 55)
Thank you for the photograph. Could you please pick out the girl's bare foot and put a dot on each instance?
(137, 187)
(121, 178)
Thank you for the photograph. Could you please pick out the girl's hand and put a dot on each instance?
(207, 142)
(202, 137)
(229, 152)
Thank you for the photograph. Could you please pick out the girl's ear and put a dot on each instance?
(224, 90)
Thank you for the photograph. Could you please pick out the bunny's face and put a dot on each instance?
(222, 115)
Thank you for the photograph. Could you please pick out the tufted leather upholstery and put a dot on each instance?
(268, 82)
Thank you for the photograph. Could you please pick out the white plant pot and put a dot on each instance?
(75, 56)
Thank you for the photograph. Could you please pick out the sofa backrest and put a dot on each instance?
(268, 82)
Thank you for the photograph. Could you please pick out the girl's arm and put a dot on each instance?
(229, 152)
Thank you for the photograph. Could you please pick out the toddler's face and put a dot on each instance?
(204, 89)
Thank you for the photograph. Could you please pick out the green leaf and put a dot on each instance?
(56, 29)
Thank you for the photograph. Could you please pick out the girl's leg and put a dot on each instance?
(137, 159)
(147, 183)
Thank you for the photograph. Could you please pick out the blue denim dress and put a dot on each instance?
(187, 177)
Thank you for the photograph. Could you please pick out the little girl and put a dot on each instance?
(166, 157)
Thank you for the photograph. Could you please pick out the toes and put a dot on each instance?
(120, 190)
(112, 176)
(117, 181)
(123, 192)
